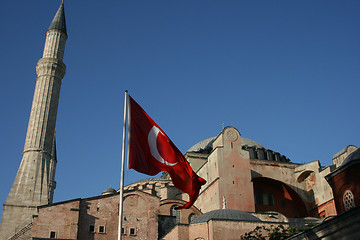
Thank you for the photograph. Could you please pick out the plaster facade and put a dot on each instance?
(34, 183)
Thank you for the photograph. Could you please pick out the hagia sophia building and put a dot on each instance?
(247, 185)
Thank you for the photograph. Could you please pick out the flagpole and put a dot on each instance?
(122, 168)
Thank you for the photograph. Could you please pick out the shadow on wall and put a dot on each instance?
(166, 224)
(273, 195)
(307, 196)
(87, 227)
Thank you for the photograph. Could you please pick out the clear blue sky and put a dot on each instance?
(284, 73)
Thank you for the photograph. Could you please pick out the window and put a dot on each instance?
(191, 217)
(348, 200)
(176, 213)
(132, 231)
(52, 234)
(92, 228)
(263, 198)
(123, 232)
(101, 229)
(268, 199)
(261, 153)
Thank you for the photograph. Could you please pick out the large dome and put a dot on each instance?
(206, 144)
(255, 149)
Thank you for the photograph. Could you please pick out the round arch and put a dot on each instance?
(273, 195)
(167, 208)
(304, 175)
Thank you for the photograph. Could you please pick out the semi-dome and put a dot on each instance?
(206, 144)
(225, 214)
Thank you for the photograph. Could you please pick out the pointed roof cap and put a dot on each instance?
(59, 20)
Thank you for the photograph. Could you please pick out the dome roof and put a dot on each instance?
(202, 145)
(250, 143)
(149, 180)
(349, 162)
(354, 156)
(225, 214)
(109, 190)
(206, 145)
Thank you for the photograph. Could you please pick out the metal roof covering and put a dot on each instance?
(207, 144)
(109, 190)
(148, 180)
(349, 162)
(59, 20)
(354, 156)
(225, 214)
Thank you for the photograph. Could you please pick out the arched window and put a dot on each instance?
(176, 213)
(191, 217)
(348, 199)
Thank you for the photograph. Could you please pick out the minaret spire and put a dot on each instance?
(59, 20)
(34, 183)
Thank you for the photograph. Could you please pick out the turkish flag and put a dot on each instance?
(151, 151)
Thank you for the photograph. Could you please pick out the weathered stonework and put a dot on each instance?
(98, 217)
(34, 183)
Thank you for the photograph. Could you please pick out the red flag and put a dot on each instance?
(151, 151)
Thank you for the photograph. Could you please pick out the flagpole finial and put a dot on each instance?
(223, 125)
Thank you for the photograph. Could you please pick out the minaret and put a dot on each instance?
(34, 183)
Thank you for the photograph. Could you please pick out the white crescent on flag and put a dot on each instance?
(152, 138)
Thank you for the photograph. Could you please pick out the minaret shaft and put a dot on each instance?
(54, 45)
(40, 133)
(34, 182)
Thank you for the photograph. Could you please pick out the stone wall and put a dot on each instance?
(97, 218)
(62, 219)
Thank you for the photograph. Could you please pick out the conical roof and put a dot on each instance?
(59, 20)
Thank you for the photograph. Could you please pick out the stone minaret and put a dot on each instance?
(34, 183)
